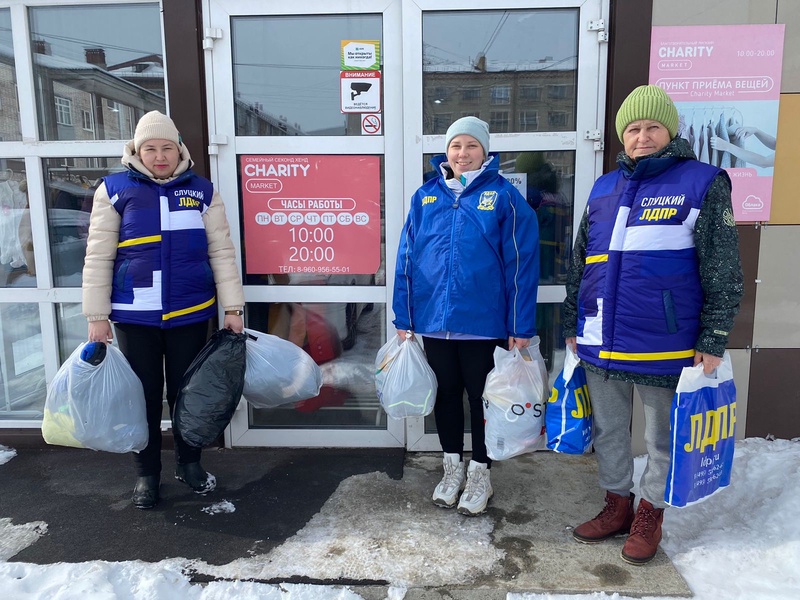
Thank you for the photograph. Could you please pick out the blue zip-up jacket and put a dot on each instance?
(162, 276)
(468, 265)
(641, 296)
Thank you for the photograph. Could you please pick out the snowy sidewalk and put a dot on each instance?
(358, 517)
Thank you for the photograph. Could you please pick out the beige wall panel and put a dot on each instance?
(777, 315)
(714, 12)
(741, 377)
(785, 198)
(789, 15)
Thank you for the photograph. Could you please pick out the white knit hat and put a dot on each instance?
(155, 126)
(469, 126)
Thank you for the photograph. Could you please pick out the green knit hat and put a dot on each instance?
(648, 102)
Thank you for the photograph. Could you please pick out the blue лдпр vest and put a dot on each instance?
(640, 297)
(162, 276)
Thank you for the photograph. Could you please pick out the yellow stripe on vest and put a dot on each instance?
(647, 355)
(597, 258)
(142, 240)
(186, 311)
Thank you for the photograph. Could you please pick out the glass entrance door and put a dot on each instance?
(323, 116)
(306, 144)
(532, 71)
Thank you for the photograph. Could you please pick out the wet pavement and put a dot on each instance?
(357, 517)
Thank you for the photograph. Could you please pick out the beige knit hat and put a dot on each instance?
(155, 126)
(648, 102)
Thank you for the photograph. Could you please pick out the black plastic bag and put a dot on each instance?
(211, 389)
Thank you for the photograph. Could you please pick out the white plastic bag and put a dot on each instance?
(513, 405)
(405, 383)
(278, 372)
(96, 406)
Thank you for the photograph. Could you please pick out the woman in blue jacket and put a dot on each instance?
(466, 281)
(159, 260)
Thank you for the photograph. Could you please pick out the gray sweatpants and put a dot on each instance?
(612, 405)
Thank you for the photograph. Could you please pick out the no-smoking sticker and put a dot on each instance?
(371, 125)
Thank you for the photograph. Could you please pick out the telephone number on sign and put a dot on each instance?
(319, 269)
(316, 254)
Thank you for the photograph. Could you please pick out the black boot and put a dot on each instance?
(145, 492)
(196, 477)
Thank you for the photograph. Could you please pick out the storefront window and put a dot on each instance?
(9, 103)
(17, 266)
(546, 180)
(97, 69)
(22, 377)
(343, 340)
(287, 73)
(477, 61)
(70, 184)
(72, 329)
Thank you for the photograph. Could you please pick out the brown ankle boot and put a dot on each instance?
(642, 543)
(614, 519)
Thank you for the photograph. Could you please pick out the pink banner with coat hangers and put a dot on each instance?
(725, 81)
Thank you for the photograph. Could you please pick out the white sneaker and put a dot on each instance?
(446, 493)
(477, 491)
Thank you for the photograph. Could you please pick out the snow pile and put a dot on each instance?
(344, 541)
(6, 454)
(14, 538)
(219, 507)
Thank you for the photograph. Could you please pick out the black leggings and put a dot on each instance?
(460, 365)
(153, 353)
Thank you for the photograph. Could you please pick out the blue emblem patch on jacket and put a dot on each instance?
(487, 201)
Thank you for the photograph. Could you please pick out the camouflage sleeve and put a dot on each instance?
(717, 243)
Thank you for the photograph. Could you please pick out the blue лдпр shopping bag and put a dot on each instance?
(702, 429)
(568, 418)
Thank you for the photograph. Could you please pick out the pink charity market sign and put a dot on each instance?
(725, 81)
